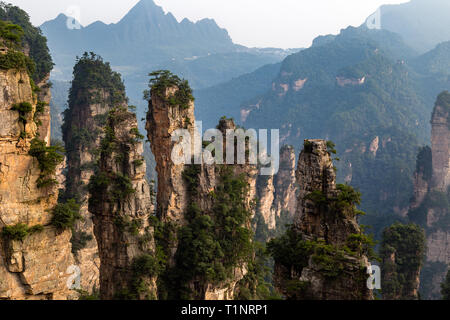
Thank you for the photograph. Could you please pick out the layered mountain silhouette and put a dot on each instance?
(367, 90)
(147, 38)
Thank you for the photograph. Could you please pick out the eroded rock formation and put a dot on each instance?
(121, 204)
(430, 205)
(402, 251)
(33, 263)
(205, 205)
(277, 193)
(95, 90)
(322, 256)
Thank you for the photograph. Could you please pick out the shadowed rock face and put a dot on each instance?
(162, 121)
(325, 228)
(277, 193)
(121, 209)
(95, 90)
(35, 267)
(80, 167)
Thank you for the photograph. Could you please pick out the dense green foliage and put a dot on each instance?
(445, 287)
(11, 34)
(32, 38)
(23, 108)
(20, 231)
(79, 240)
(14, 59)
(424, 163)
(440, 202)
(94, 82)
(162, 80)
(443, 100)
(294, 253)
(343, 203)
(112, 186)
(212, 245)
(49, 158)
(389, 107)
(64, 216)
(91, 72)
(402, 251)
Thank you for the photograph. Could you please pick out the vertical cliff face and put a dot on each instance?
(285, 201)
(430, 207)
(422, 176)
(121, 204)
(95, 90)
(277, 193)
(324, 255)
(440, 140)
(266, 196)
(204, 209)
(34, 255)
(162, 120)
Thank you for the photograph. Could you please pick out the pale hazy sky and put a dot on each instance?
(253, 23)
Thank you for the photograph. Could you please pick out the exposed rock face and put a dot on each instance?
(121, 203)
(277, 193)
(34, 268)
(162, 120)
(315, 172)
(181, 201)
(266, 196)
(95, 90)
(286, 187)
(440, 140)
(322, 229)
(431, 194)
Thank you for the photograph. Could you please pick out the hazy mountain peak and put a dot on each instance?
(422, 23)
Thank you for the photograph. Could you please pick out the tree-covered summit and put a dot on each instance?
(92, 72)
(443, 100)
(32, 39)
(161, 80)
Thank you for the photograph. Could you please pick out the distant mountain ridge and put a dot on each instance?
(422, 23)
(148, 38)
(145, 34)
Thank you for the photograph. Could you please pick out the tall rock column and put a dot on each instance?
(440, 140)
(204, 210)
(34, 255)
(121, 203)
(430, 207)
(324, 256)
(95, 90)
(402, 252)
(285, 201)
(163, 119)
(277, 197)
